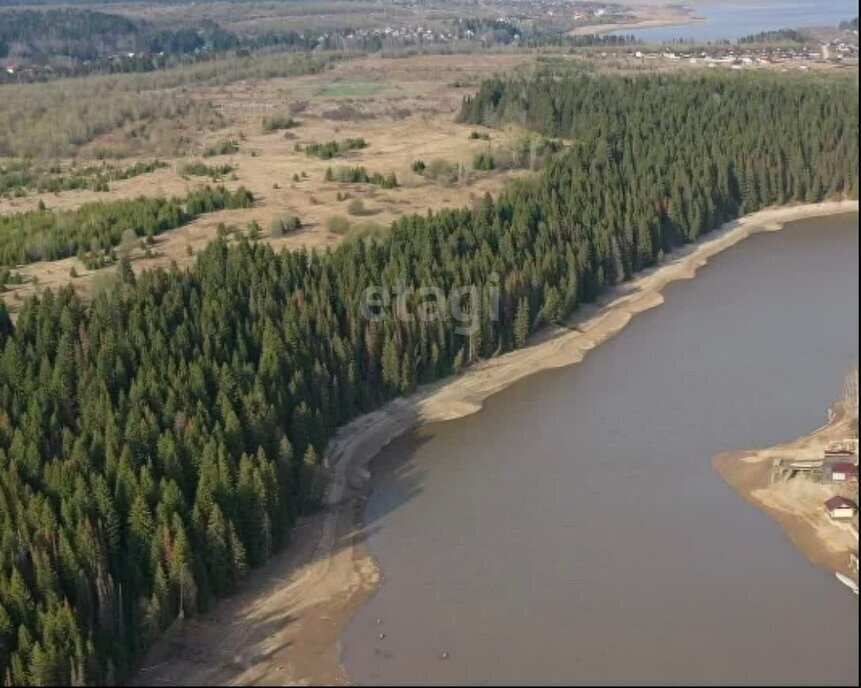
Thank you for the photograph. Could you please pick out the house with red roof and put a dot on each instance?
(841, 508)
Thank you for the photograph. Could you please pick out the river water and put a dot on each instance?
(574, 532)
(732, 20)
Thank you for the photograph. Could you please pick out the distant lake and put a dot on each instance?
(731, 21)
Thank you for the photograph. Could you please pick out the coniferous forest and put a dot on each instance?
(161, 440)
(95, 228)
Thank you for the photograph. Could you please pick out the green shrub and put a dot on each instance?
(332, 149)
(284, 224)
(277, 123)
(338, 224)
(359, 175)
(200, 169)
(367, 230)
(223, 147)
(484, 161)
(357, 207)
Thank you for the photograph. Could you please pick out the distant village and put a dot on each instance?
(838, 51)
(532, 22)
(515, 22)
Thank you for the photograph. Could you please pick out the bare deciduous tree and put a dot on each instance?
(850, 398)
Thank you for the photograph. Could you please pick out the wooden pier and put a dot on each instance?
(786, 469)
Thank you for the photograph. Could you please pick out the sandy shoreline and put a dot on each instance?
(647, 18)
(285, 626)
(797, 505)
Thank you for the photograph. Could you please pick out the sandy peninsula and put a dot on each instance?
(797, 504)
(647, 16)
(284, 628)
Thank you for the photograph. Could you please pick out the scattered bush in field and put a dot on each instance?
(223, 147)
(357, 207)
(338, 224)
(200, 169)
(17, 178)
(484, 161)
(284, 224)
(298, 107)
(419, 166)
(479, 136)
(359, 175)
(444, 171)
(332, 149)
(277, 123)
(367, 230)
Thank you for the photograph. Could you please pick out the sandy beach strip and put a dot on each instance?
(284, 627)
(647, 17)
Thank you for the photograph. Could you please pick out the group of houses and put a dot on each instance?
(840, 467)
(739, 56)
(836, 467)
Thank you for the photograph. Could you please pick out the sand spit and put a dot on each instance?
(797, 504)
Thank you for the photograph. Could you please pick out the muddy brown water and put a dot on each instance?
(573, 531)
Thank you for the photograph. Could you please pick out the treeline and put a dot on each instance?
(724, 159)
(588, 40)
(359, 175)
(201, 169)
(80, 34)
(19, 177)
(71, 35)
(157, 443)
(95, 228)
(332, 149)
(52, 43)
(778, 36)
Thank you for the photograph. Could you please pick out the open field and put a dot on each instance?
(405, 110)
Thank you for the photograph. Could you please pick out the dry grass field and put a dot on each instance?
(404, 108)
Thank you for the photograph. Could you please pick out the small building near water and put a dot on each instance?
(840, 472)
(841, 508)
